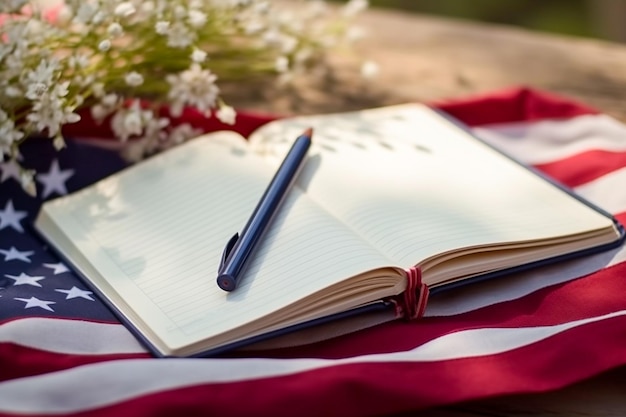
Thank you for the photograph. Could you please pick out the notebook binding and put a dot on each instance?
(412, 303)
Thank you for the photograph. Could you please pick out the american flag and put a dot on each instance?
(62, 352)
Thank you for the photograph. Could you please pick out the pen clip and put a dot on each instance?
(227, 250)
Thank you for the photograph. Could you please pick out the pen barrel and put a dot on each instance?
(263, 214)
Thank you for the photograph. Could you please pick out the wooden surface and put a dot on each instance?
(423, 58)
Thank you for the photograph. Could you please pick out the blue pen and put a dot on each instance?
(239, 248)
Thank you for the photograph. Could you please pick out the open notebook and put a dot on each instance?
(388, 199)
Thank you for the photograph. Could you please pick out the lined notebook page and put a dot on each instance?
(414, 185)
(157, 231)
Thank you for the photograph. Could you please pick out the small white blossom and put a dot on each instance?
(50, 112)
(39, 80)
(98, 89)
(104, 45)
(198, 56)
(133, 79)
(162, 27)
(180, 12)
(115, 30)
(78, 60)
(193, 87)
(180, 36)
(197, 18)
(8, 133)
(64, 15)
(98, 18)
(288, 44)
(13, 91)
(110, 99)
(183, 132)
(58, 142)
(369, 69)
(27, 181)
(85, 12)
(124, 9)
(99, 112)
(130, 121)
(226, 114)
(282, 64)
(147, 7)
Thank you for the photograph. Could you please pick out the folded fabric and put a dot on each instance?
(63, 352)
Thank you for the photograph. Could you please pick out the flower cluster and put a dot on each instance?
(126, 60)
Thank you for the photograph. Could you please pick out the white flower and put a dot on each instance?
(98, 18)
(369, 69)
(39, 80)
(282, 64)
(65, 15)
(179, 12)
(27, 181)
(124, 9)
(288, 44)
(162, 27)
(115, 29)
(8, 133)
(198, 56)
(104, 45)
(130, 121)
(193, 87)
(99, 112)
(49, 112)
(226, 114)
(179, 36)
(98, 89)
(133, 79)
(78, 60)
(197, 18)
(183, 132)
(85, 12)
(110, 100)
(13, 91)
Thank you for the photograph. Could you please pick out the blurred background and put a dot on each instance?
(602, 19)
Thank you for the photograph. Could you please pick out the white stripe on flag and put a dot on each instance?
(546, 141)
(101, 384)
(607, 192)
(70, 336)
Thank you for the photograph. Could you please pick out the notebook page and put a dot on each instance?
(414, 185)
(157, 233)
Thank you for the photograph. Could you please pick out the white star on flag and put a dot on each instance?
(10, 169)
(36, 302)
(25, 279)
(57, 268)
(9, 217)
(54, 180)
(13, 253)
(76, 293)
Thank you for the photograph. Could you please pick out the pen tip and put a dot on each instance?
(308, 132)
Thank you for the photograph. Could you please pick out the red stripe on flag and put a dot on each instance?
(584, 167)
(369, 389)
(512, 105)
(21, 361)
